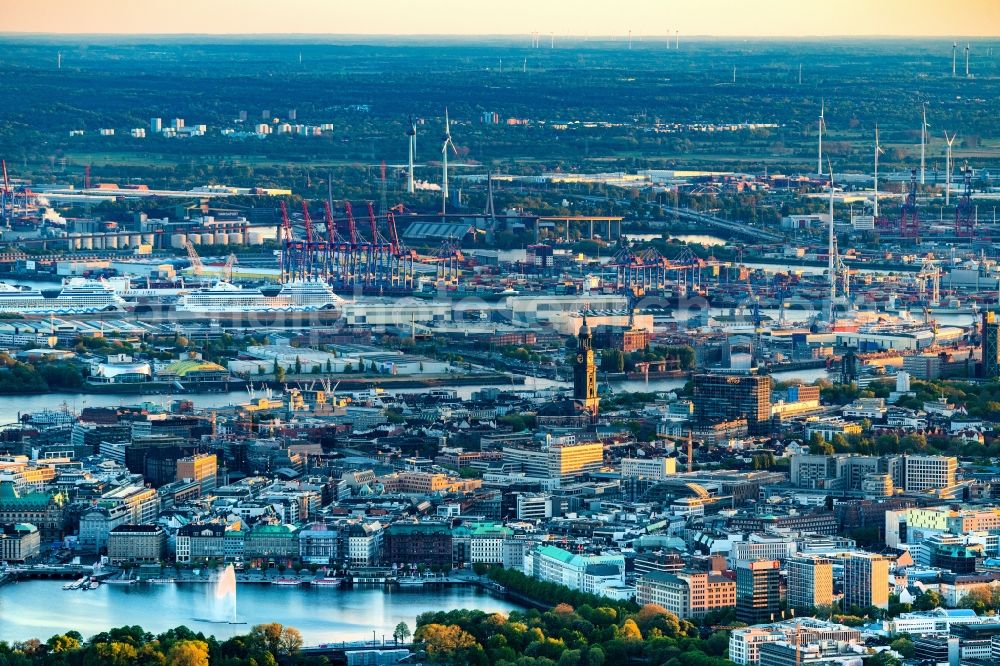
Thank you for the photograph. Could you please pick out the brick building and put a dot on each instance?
(419, 543)
(137, 543)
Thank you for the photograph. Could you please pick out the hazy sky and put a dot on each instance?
(516, 17)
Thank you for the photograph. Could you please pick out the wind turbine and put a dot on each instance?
(444, 161)
(878, 151)
(954, 58)
(947, 169)
(411, 133)
(832, 240)
(923, 144)
(966, 61)
(822, 126)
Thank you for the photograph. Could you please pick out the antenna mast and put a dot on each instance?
(832, 251)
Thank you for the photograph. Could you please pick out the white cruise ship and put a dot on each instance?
(296, 296)
(77, 296)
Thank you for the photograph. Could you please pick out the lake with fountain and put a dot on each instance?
(41, 608)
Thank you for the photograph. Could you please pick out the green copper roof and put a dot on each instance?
(274, 530)
(491, 530)
(10, 498)
(556, 553)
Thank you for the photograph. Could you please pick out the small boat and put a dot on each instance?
(332, 582)
(76, 584)
(411, 581)
(286, 581)
(120, 581)
(94, 584)
(162, 581)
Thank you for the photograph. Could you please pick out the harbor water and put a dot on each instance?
(41, 608)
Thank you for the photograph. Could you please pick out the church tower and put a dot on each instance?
(585, 371)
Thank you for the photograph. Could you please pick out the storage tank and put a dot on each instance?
(255, 238)
(194, 239)
(149, 239)
(207, 239)
(221, 239)
(135, 240)
(86, 243)
(110, 241)
(235, 238)
(177, 241)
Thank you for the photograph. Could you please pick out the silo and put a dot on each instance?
(220, 239)
(235, 238)
(87, 242)
(135, 240)
(255, 238)
(177, 241)
(149, 239)
(207, 239)
(110, 241)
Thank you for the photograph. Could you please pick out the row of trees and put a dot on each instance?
(265, 645)
(677, 356)
(18, 377)
(564, 636)
(983, 601)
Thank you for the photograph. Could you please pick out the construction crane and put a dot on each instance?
(329, 262)
(379, 251)
(6, 196)
(351, 263)
(197, 267)
(345, 259)
(285, 242)
(312, 247)
(909, 217)
(756, 317)
(227, 269)
(352, 227)
(448, 259)
(291, 251)
(930, 274)
(401, 270)
(965, 214)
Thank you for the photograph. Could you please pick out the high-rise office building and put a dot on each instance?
(991, 345)
(758, 591)
(686, 594)
(929, 472)
(866, 581)
(728, 397)
(557, 461)
(201, 467)
(810, 582)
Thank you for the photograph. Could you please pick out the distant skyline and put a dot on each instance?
(585, 18)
